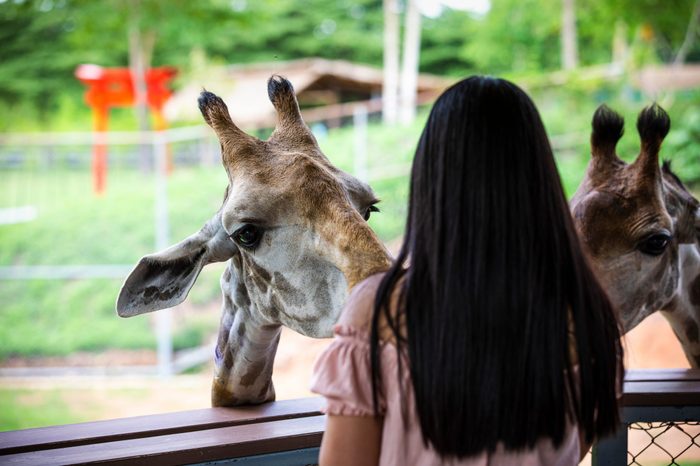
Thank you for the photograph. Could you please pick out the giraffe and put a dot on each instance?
(293, 230)
(641, 228)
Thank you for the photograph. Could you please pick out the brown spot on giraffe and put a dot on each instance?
(292, 296)
(696, 359)
(691, 331)
(253, 373)
(321, 295)
(275, 308)
(265, 390)
(260, 277)
(221, 395)
(694, 294)
(242, 298)
(672, 305)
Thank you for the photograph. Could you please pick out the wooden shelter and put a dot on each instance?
(326, 89)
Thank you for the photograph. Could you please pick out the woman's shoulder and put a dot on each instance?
(359, 308)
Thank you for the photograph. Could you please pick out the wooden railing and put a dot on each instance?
(289, 432)
(668, 396)
(283, 432)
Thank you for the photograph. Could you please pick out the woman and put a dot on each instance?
(489, 341)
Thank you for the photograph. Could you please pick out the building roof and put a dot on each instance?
(244, 88)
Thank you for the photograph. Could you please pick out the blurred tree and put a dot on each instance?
(657, 26)
(443, 42)
(524, 35)
(517, 35)
(569, 44)
(409, 64)
(33, 58)
(392, 58)
(44, 40)
(691, 35)
(665, 22)
(341, 29)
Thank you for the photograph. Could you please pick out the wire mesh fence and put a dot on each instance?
(66, 248)
(64, 245)
(671, 443)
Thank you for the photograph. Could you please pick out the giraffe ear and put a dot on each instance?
(164, 279)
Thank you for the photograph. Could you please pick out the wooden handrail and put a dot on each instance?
(72, 435)
(662, 387)
(187, 447)
(222, 433)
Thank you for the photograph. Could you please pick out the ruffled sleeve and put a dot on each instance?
(342, 374)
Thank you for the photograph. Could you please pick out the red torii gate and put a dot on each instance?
(114, 87)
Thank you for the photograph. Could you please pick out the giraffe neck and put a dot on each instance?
(683, 313)
(245, 349)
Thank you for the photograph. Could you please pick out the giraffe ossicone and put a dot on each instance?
(292, 228)
(641, 228)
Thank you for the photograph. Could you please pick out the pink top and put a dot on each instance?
(342, 375)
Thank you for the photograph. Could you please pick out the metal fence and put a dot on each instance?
(654, 436)
(42, 172)
(660, 421)
(684, 443)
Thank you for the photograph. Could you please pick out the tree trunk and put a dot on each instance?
(690, 35)
(569, 49)
(390, 86)
(409, 70)
(620, 49)
(140, 49)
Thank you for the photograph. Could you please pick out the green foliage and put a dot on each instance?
(44, 40)
(683, 144)
(443, 41)
(44, 318)
(524, 35)
(668, 20)
(289, 30)
(517, 35)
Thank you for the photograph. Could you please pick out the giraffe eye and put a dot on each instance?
(247, 236)
(368, 212)
(655, 245)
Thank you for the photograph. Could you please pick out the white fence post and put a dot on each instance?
(359, 120)
(162, 227)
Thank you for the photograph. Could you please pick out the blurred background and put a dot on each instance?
(104, 163)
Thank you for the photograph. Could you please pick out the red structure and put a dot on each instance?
(114, 87)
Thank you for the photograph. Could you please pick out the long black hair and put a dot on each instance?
(498, 299)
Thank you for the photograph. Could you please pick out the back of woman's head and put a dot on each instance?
(496, 279)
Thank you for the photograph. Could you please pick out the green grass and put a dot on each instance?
(25, 409)
(53, 317)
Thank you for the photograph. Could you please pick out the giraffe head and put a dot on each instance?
(293, 226)
(634, 218)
